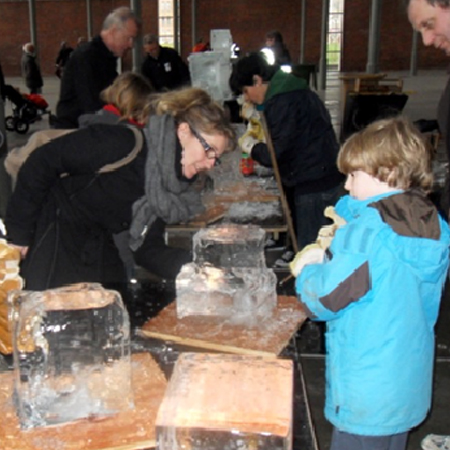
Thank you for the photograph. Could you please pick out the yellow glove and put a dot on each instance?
(327, 232)
(247, 143)
(311, 254)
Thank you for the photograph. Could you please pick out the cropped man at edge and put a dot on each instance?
(431, 18)
(93, 67)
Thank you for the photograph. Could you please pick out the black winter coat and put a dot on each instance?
(67, 214)
(166, 72)
(90, 69)
(304, 140)
(31, 72)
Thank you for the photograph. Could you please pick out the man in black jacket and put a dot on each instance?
(303, 138)
(93, 66)
(163, 66)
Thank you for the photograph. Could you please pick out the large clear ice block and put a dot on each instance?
(227, 402)
(71, 354)
(230, 245)
(211, 71)
(228, 278)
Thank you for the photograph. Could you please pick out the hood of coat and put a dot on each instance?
(410, 214)
(420, 237)
(283, 82)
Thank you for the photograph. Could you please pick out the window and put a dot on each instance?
(166, 26)
(335, 32)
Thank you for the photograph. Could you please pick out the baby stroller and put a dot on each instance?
(26, 109)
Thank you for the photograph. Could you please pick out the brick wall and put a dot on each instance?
(396, 37)
(56, 21)
(248, 21)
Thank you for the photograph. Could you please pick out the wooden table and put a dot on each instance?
(219, 203)
(373, 91)
(135, 429)
(128, 430)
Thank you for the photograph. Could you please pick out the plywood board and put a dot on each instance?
(229, 393)
(269, 338)
(209, 216)
(256, 198)
(131, 430)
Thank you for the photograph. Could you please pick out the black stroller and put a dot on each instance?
(26, 109)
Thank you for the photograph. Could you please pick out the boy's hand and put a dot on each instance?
(311, 254)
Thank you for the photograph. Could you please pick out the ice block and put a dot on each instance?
(71, 354)
(218, 401)
(228, 277)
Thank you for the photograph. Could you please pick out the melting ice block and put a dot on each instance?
(217, 402)
(228, 277)
(71, 354)
(229, 246)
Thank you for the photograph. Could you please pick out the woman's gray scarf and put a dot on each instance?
(166, 196)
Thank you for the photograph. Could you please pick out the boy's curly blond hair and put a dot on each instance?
(392, 150)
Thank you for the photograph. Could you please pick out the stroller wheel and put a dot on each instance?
(10, 123)
(21, 127)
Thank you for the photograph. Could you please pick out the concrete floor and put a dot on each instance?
(424, 91)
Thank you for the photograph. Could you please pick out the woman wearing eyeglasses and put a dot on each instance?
(74, 193)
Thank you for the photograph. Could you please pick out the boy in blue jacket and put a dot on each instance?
(378, 287)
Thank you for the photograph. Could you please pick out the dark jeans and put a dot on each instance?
(307, 212)
(346, 441)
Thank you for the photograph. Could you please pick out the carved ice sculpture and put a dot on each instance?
(228, 277)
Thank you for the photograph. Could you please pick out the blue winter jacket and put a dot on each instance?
(379, 293)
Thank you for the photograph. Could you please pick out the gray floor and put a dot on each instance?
(424, 91)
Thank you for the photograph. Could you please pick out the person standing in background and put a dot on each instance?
(81, 40)
(274, 42)
(31, 72)
(92, 67)
(163, 66)
(62, 58)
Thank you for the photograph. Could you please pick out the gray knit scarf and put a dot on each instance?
(166, 196)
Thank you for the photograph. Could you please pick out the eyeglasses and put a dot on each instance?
(209, 151)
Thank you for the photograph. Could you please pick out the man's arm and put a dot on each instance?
(283, 123)
(183, 71)
(89, 80)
